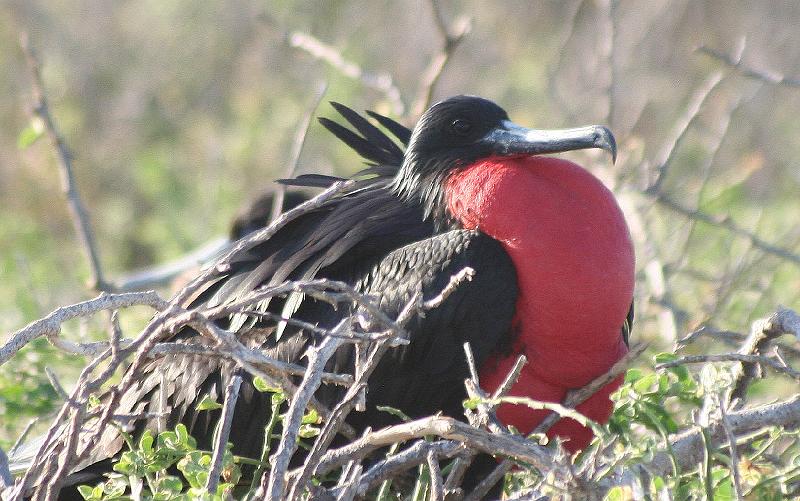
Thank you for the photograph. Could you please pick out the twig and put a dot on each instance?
(162, 274)
(220, 445)
(23, 435)
(577, 397)
(80, 216)
(484, 486)
(6, 480)
(444, 427)
(731, 437)
(297, 149)
(667, 153)
(451, 39)
(437, 488)
(317, 357)
(727, 223)
(762, 334)
(772, 77)
(56, 384)
(779, 366)
(381, 82)
(51, 324)
(402, 461)
(465, 274)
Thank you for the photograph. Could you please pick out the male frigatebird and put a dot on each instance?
(552, 255)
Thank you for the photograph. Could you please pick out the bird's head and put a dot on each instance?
(459, 131)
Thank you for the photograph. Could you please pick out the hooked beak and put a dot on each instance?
(511, 139)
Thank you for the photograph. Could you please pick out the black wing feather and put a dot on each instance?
(371, 133)
(363, 147)
(399, 130)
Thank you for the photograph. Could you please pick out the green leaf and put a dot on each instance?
(308, 431)
(644, 384)
(633, 375)
(264, 387)
(663, 358)
(616, 494)
(471, 403)
(312, 418)
(31, 133)
(85, 491)
(208, 404)
(146, 442)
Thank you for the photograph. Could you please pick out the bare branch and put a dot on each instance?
(451, 39)
(51, 324)
(687, 448)
(317, 357)
(6, 480)
(444, 427)
(437, 488)
(727, 223)
(667, 153)
(778, 365)
(163, 274)
(220, 445)
(769, 76)
(381, 82)
(297, 149)
(80, 216)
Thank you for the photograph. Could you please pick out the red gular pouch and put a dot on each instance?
(572, 250)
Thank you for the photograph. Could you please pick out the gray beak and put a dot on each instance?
(511, 139)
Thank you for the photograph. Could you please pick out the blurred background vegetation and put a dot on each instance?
(178, 112)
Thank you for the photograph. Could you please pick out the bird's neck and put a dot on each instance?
(572, 250)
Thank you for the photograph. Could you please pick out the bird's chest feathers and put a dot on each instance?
(572, 251)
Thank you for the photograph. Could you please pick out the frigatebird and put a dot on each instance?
(553, 274)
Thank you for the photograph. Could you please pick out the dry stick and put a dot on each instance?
(451, 39)
(778, 365)
(51, 324)
(23, 436)
(763, 332)
(768, 76)
(402, 461)
(667, 153)
(6, 480)
(80, 217)
(731, 437)
(326, 436)
(317, 358)
(437, 487)
(411, 457)
(610, 9)
(381, 82)
(297, 149)
(447, 428)
(251, 356)
(54, 444)
(725, 222)
(220, 445)
(163, 274)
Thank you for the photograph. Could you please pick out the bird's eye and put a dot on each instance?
(461, 127)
